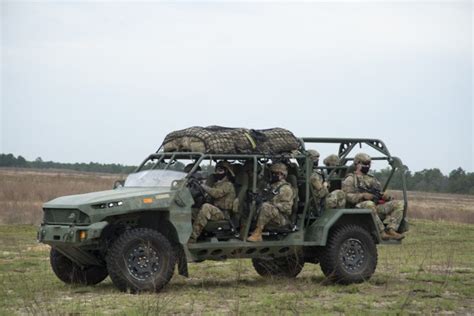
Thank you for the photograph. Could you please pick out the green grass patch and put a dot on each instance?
(431, 272)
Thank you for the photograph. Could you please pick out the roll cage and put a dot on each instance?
(305, 214)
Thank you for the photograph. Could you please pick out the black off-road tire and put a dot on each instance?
(350, 255)
(141, 259)
(288, 267)
(71, 273)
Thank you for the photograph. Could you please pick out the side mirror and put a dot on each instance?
(118, 184)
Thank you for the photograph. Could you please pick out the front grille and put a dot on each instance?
(64, 216)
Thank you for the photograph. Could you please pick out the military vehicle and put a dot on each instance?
(137, 233)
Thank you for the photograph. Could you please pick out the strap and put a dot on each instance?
(251, 140)
(277, 189)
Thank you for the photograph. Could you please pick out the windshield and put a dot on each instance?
(153, 178)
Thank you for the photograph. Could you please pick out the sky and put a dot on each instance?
(106, 81)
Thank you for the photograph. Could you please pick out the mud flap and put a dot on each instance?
(181, 258)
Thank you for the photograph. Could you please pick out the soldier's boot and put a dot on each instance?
(257, 234)
(390, 233)
(197, 229)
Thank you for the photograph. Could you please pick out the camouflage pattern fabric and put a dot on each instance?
(331, 161)
(351, 183)
(223, 195)
(269, 214)
(371, 206)
(319, 189)
(278, 210)
(220, 140)
(391, 213)
(207, 213)
(336, 199)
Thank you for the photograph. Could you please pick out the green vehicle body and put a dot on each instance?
(83, 227)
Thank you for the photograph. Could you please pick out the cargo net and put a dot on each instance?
(225, 140)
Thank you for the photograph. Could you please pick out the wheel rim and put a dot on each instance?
(352, 255)
(142, 261)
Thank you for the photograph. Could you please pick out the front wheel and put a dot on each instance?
(71, 273)
(289, 266)
(350, 255)
(141, 259)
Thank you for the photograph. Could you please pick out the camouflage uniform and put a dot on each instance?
(223, 195)
(278, 210)
(336, 199)
(391, 213)
(320, 191)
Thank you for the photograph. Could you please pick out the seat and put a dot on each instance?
(241, 186)
(290, 227)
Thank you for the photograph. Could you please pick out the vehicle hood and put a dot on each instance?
(118, 194)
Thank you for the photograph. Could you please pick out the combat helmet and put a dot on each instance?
(279, 167)
(361, 158)
(313, 154)
(227, 166)
(332, 161)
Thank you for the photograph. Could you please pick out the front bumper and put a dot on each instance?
(70, 234)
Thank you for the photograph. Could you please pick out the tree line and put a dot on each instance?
(431, 180)
(9, 160)
(427, 180)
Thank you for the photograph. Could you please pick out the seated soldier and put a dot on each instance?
(334, 175)
(321, 195)
(222, 193)
(356, 184)
(278, 210)
(318, 184)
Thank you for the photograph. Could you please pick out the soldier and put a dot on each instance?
(334, 175)
(334, 199)
(320, 187)
(331, 161)
(355, 186)
(278, 210)
(222, 194)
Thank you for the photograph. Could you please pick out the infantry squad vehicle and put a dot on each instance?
(137, 233)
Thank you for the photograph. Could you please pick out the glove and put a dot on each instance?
(368, 196)
(386, 196)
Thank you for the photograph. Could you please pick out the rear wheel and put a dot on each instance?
(141, 259)
(71, 273)
(350, 255)
(289, 266)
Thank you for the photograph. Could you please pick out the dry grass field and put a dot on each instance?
(432, 272)
(23, 191)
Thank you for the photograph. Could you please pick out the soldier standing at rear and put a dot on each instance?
(390, 212)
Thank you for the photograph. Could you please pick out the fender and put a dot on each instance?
(317, 233)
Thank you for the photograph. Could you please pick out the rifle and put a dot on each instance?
(197, 192)
(265, 196)
(259, 197)
(378, 195)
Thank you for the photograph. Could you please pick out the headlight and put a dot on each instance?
(107, 205)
